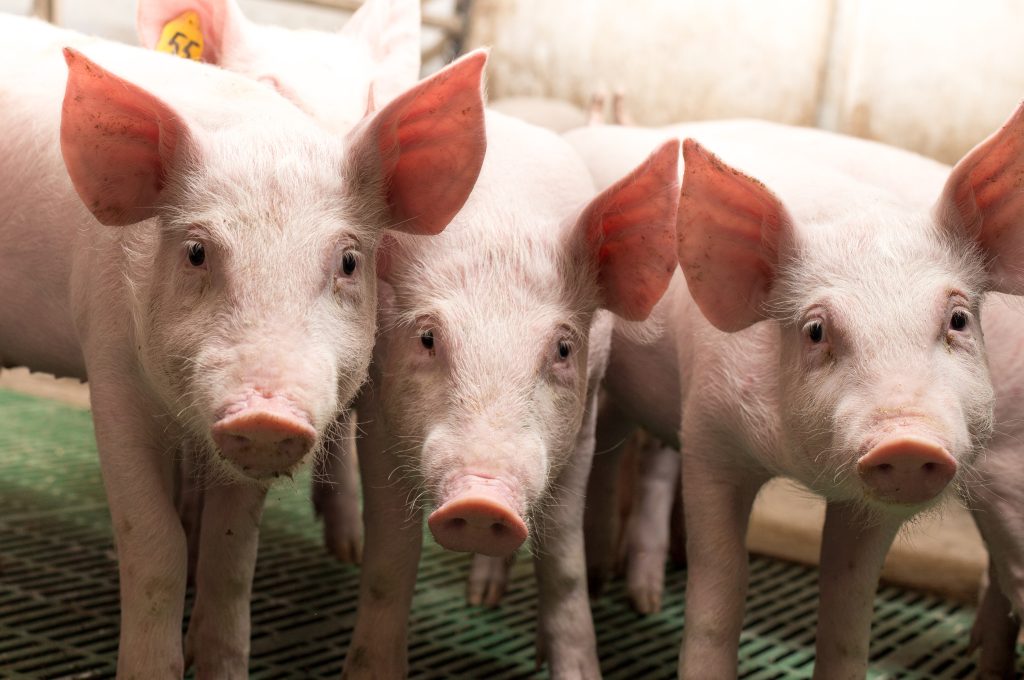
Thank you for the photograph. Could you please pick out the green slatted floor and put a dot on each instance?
(58, 592)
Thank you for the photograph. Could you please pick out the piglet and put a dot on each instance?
(211, 273)
(480, 406)
(829, 332)
(336, 76)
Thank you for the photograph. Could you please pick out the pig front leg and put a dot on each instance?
(717, 500)
(853, 549)
(601, 518)
(995, 632)
(336, 493)
(217, 642)
(188, 498)
(152, 557)
(566, 636)
(488, 579)
(391, 553)
(646, 537)
(999, 513)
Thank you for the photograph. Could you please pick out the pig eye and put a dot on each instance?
(196, 253)
(815, 331)
(958, 320)
(348, 263)
(564, 350)
(427, 340)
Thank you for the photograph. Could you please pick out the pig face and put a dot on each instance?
(334, 76)
(253, 285)
(485, 363)
(883, 384)
(883, 390)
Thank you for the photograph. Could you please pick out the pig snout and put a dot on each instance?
(265, 435)
(477, 514)
(906, 470)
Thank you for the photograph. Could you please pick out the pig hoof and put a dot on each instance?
(345, 546)
(488, 579)
(646, 580)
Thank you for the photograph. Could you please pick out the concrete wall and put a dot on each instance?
(935, 76)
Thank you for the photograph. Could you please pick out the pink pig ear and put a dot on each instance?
(392, 30)
(221, 22)
(426, 147)
(727, 238)
(117, 141)
(630, 228)
(985, 196)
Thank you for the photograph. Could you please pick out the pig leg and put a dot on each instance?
(189, 501)
(646, 538)
(677, 529)
(995, 632)
(853, 548)
(717, 502)
(566, 636)
(391, 553)
(600, 520)
(488, 578)
(336, 493)
(217, 642)
(999, 514)
(152, 557)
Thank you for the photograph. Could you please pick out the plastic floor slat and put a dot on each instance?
(58, 591)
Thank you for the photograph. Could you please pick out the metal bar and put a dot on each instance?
(45, 9)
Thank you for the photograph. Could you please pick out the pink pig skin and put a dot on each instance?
(874, 241)
(480, 403)
(105, 197)
(337, 76)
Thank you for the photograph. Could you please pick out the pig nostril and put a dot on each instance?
(928, 467)
(457, 523)
(497, 528)
(885, 467)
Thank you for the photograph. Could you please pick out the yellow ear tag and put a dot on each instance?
(182, 37)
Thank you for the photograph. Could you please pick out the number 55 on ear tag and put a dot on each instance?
(182, 36)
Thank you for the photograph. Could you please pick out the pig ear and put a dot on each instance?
(221, 24)
(426, 147)
(727, 239)
(630, 229)
(392, 30)
(985, 196)
(117, 141)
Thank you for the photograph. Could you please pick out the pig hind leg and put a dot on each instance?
(614, 430)
(488, 579)
(336, 493)
(645, 540)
